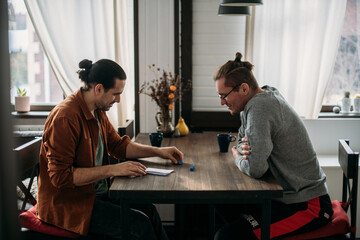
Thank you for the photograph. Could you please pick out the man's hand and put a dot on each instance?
(128, 168)
(235, 152)
(137, 150)
(246, 149)
(83, 176)
(171, 153)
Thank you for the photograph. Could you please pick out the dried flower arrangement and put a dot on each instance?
(163, 90)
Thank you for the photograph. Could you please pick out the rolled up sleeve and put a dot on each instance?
(60, 146)
(116, 145)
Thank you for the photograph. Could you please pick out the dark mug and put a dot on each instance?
(156, 139)
(224, 141)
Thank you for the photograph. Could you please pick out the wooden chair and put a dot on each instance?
(339, 227)
(27, 156)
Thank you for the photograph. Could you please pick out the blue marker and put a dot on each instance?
(192, 168)
(180, 162)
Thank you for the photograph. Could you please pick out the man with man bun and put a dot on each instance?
(272, 140)
(74, 165)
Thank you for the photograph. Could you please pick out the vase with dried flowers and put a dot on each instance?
(164, 90)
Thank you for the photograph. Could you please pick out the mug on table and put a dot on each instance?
(156, 139)
(224, 141)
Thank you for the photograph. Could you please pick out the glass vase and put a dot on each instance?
(164, 121)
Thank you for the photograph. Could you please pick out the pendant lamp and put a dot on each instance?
(233, 11)
(240, 2)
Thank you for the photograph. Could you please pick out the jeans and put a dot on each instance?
(144, 222)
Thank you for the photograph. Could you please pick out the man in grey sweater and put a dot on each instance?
(272, 140)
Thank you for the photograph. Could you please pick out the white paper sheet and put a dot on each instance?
(157, 171)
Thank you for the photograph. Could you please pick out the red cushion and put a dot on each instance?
(339, 225)
(29, 220)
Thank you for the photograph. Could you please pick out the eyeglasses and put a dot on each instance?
(224, 97)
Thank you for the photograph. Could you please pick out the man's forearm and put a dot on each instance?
(84, 176)
(136, 150)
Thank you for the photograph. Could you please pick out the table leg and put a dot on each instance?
(124, 218)
(180, 221)
(211, 221)
(266, 219)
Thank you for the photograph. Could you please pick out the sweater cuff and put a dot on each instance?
(238, 161)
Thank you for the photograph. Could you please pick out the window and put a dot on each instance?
(29, 66)
(216, 39)
(346, 73)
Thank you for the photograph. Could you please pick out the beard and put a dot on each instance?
(231, 111)
(104, 107)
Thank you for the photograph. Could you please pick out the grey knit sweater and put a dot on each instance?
(279, 143)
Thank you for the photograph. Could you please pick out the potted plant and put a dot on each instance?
(346, 103)
(22, 102)
(357, 103)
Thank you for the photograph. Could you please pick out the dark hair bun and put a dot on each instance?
(85, 64)
(103, 71)
(240, 63)
(238, 57)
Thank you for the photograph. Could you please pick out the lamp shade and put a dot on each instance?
(241, 2)
(233, 11)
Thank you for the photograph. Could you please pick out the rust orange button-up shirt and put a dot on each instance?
(69, 141)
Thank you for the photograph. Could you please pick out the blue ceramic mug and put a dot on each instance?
(224, 141)
(156, 139)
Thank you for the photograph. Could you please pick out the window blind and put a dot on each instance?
(216, 39)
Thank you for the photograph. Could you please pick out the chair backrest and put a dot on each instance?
(27, 157)
(28, 154)
(349, 162)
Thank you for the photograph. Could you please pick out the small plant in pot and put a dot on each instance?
(346, 103)
(22, 102)
(357, 103)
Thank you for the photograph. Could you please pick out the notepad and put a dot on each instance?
(157, 171)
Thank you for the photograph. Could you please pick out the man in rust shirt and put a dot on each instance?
(74, 165)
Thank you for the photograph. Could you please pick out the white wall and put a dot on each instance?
(324, 134)
(156, 46)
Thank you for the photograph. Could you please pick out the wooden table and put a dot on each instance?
(215, 180)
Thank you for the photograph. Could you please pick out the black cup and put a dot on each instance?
(156, 139)
(224, 141)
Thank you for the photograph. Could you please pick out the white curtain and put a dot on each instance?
(74, 30)
(294, 46)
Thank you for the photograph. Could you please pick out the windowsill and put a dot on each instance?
(31, 114)
(39, 107)
(328, 160)
(338, 115)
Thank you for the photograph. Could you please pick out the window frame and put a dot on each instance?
(197, 121)
(215, 120)
(38, 106)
